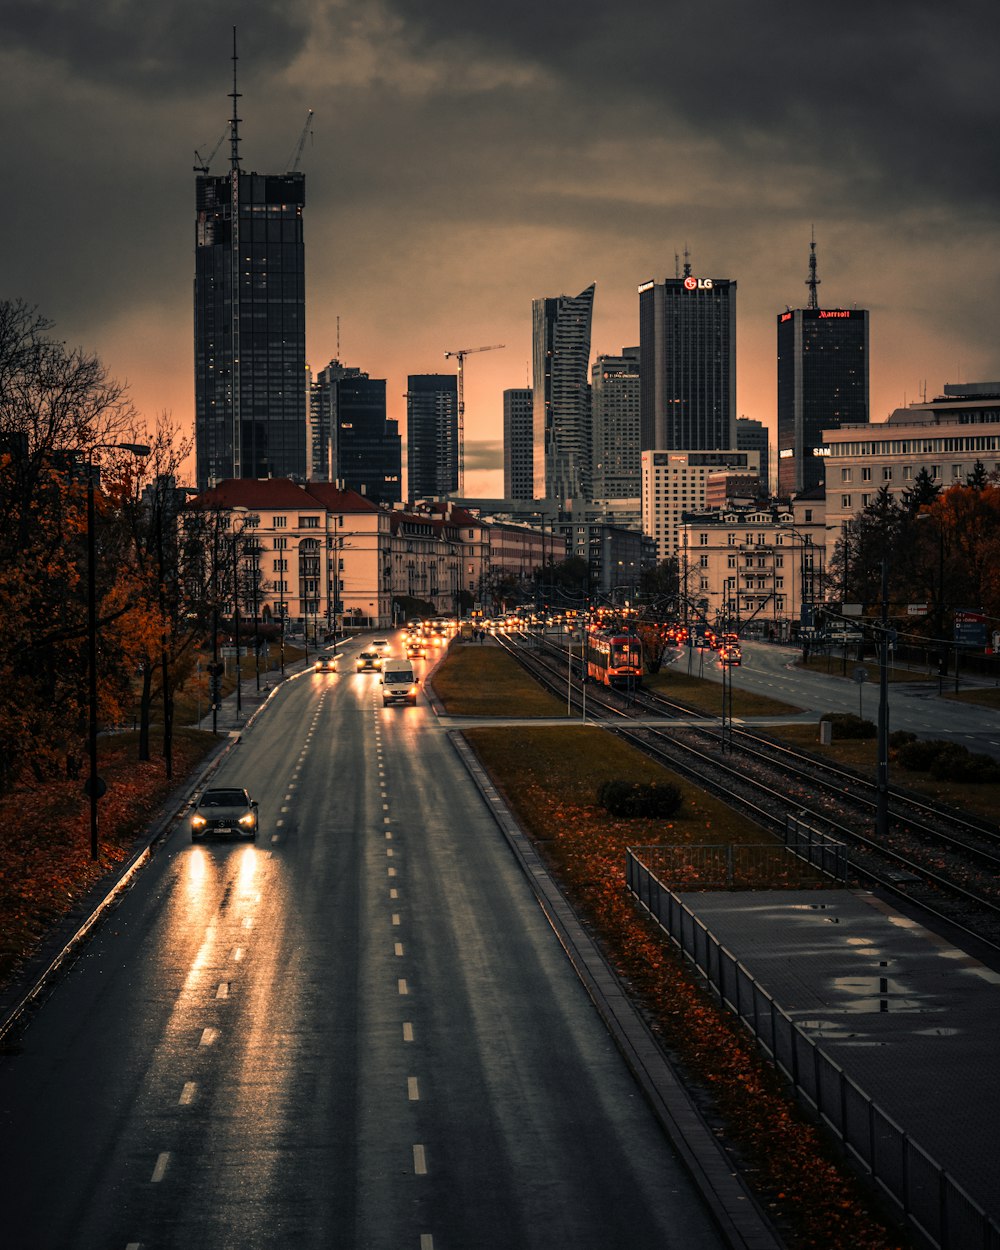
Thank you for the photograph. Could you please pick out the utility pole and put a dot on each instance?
(882, 768)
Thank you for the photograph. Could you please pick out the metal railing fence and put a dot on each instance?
(932, 1202)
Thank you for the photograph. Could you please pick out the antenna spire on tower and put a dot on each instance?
(687, 262)
(234, 138)
(812, 282)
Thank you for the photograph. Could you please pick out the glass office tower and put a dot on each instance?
(249, 327)
(687, 341)
(822, 384)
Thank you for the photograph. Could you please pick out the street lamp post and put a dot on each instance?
(95, 786)
(882, 768)
(236, 625)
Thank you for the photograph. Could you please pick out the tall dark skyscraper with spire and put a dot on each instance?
(822, 383)
(249, 322)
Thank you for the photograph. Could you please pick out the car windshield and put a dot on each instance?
(224, 798)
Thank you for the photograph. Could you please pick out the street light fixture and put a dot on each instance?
(804, 616)
(95, 786)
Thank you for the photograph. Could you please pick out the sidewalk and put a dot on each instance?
(228, 719)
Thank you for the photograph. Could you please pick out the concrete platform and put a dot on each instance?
(912, 1020)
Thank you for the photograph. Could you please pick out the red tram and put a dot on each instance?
(614, 659)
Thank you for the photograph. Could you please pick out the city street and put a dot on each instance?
(771, 670)
(359, 1032)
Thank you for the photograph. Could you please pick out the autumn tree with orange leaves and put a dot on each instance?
(59, 411)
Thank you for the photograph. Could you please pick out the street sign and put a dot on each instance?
(970, 629)
(916, 609)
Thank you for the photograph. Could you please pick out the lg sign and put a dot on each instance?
(697, 284)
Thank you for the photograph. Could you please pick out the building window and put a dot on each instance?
(731, 540)
(779, 561)
(886, 473)
(866, 475)
(280, 543)
(731, 562)
(956, 471)
(280, 522)
(865, 500)
(308, 522)
(703, 562)
(779, 583)
(936, 472)
(703, 583)
(808, 516)
(280, 566)
(907, 472)
(845, 475)
(703, 540)
(845, 501)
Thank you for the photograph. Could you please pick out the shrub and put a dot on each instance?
(629, 799)
(958, 763)
(847, 726)
(919, 755)
(901, 738)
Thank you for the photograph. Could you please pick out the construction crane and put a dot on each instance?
(203, 162)
(460, 356)
(296, 156)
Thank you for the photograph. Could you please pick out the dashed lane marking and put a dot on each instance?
(187, 1094)
(160, 1170)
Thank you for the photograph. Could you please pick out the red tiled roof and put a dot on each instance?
(333, 499)
(253, 493)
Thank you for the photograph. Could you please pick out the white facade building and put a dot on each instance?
(673, 482)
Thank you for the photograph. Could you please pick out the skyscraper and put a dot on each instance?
(561, 395)
(822, 383)
(353, 441)
(518, 472)
(249, 323)
(431, 434)
(614, 389)
(687, 337)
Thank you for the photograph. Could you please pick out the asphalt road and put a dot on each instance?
(360, 1032)
(917, 706)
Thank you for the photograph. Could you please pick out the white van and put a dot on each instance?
(399, 685)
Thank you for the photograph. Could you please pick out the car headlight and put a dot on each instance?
(248, 821)
(198, 822)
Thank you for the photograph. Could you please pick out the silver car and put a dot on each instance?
(230, 813)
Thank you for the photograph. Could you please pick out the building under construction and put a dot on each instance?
(249, 321)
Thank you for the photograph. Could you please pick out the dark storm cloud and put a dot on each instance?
(162, 46)
(900, 96)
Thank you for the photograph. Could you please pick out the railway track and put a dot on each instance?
(937, 860)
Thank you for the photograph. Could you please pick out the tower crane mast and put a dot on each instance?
(460, 355)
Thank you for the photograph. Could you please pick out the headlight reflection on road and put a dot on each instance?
(247, 880)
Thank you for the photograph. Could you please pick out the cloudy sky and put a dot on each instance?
(467, 157)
